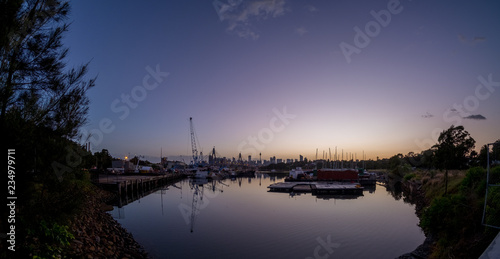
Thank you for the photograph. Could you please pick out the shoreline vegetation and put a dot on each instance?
(451, 222)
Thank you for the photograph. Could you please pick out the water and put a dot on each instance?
(239, 218)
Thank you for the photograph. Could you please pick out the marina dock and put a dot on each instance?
(318, 187)
(131, 187)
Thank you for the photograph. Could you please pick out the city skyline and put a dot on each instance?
(285, 78)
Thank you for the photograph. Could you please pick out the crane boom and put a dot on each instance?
(193, 142)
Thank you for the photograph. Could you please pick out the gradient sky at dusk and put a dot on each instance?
(274, 71)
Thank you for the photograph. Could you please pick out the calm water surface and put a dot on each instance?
(239, 218)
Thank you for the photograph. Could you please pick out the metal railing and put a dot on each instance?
(488, 185)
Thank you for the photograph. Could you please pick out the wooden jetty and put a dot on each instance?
(134, 185)
(318, 187)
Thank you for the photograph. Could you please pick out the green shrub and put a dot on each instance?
(495, 175)
(433, 216)
(410, 176)
(492, 214)
(473, 180)
(52, 238)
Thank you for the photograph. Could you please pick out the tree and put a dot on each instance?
(42, 102)
(33, 80)
(494, 154)
(453, 149)
(103, 159)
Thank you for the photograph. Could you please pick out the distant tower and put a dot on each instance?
(260, 158)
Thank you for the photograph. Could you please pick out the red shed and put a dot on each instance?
(337, 174)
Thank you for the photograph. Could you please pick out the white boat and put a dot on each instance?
(294, 173)
(201, 174)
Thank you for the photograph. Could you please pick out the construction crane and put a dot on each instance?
(193, 142)
(137, 166)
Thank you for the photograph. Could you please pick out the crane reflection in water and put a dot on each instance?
(200, 198)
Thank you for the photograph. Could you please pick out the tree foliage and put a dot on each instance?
(34, 80)
(454, 147)
(103, 159)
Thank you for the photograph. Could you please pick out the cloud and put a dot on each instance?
(479, 39)
(473, 41)
(475, 117)
(311, 8)
(462, 38)
(240, 15)
(427, 115)
(301, 30)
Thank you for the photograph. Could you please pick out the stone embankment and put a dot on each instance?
(98, 235)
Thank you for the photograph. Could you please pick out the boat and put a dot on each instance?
(318, 188)
(298, 173)
(367, 178)
(201, 174)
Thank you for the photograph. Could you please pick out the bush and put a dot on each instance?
(493, 207)
(52, 239)
(410, 176)
(495, 175)
(434, 216)
(474, 181)
(493, 203)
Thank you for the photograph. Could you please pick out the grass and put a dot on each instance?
(434, 182)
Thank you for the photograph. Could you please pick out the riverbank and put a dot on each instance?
(451, 221)
(98, 235)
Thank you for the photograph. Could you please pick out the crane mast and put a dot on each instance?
(193, 142)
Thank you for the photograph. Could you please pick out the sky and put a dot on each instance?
(285, 77)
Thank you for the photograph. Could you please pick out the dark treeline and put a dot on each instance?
(43, 104)
(462, 156)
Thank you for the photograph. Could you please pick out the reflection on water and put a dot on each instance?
(239, 218)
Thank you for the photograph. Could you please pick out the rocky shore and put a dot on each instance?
(98, 235)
